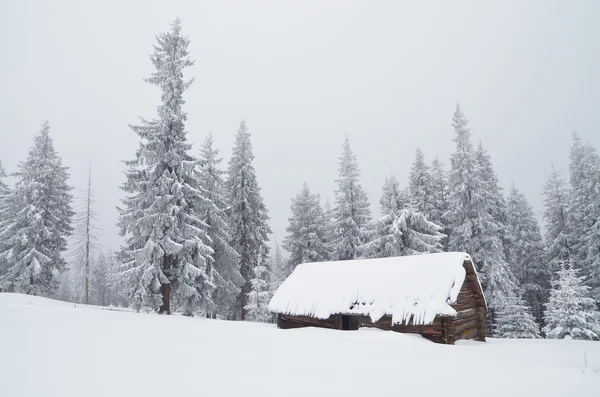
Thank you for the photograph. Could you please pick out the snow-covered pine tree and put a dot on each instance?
(351, 212)
(167, 254)
(515, 320)
(306, 240)
(260, 293)
(227, 277)
(401, 230)
(571, 312)
(584, 210)
(34, 235)
(440, 198)
(557, 238)
(85, 242)
(247, 214)
(528, 258)
(100, 280)
(420, 186)
(475, 217)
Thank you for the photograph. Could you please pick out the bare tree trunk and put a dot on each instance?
(165, 289)
(88, 234)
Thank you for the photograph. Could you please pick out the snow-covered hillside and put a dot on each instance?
(54, 349)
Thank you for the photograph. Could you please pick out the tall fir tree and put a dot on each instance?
(225, 261)
(351, 212)
(439, 179)
(306, 240)
(167, 255)
(515, 320)
(571, 312)
(39, 221)
(247, 215)
(528, 258)
(401, 230)
(584, 210)
(420, 186)
(557, 238)
(476, 217)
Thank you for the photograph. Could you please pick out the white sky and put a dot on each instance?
(303, 75)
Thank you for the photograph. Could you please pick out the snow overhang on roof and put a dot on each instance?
(420, 287)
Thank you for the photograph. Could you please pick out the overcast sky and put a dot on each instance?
(303, 75)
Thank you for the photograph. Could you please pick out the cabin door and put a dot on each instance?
(346, 323)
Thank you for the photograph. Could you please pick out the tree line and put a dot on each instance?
(197, 234)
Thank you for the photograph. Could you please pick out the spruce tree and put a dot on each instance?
(260, 294)
(527, 253)
(421, 186)
(225, 261)
(476, 217)
(307, 234)
(247, 214)
(515, 321)
(167, 256)
(401, 230)
(571, 312)
(39, 221)
(584, 210)
(558, 237)
(439, 179)
(351, 212)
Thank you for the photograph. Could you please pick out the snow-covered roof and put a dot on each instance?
(420, 286)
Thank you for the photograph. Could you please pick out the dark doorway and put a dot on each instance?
(346, 323)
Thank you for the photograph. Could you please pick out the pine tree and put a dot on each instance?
(515, 321)
(421, 186)
(307, 234)
(167, 256)
(85, 243)
(260, 293)
(247, 214)
(39, 209)
(227, 275)
(558, 236)
(439, 179)
(477, 216)
(527, 253)
(571, 312)
(351, 212)
(584, 210)
(401, 230)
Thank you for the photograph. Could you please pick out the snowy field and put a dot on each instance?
(54, 349)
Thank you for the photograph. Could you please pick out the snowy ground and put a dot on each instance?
(50, 348)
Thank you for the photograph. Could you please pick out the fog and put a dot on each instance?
(304, 75)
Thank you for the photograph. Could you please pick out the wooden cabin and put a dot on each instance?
(438, 296)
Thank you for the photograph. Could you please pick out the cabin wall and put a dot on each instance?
(337, 321)
(434, 331)
(469, 322)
